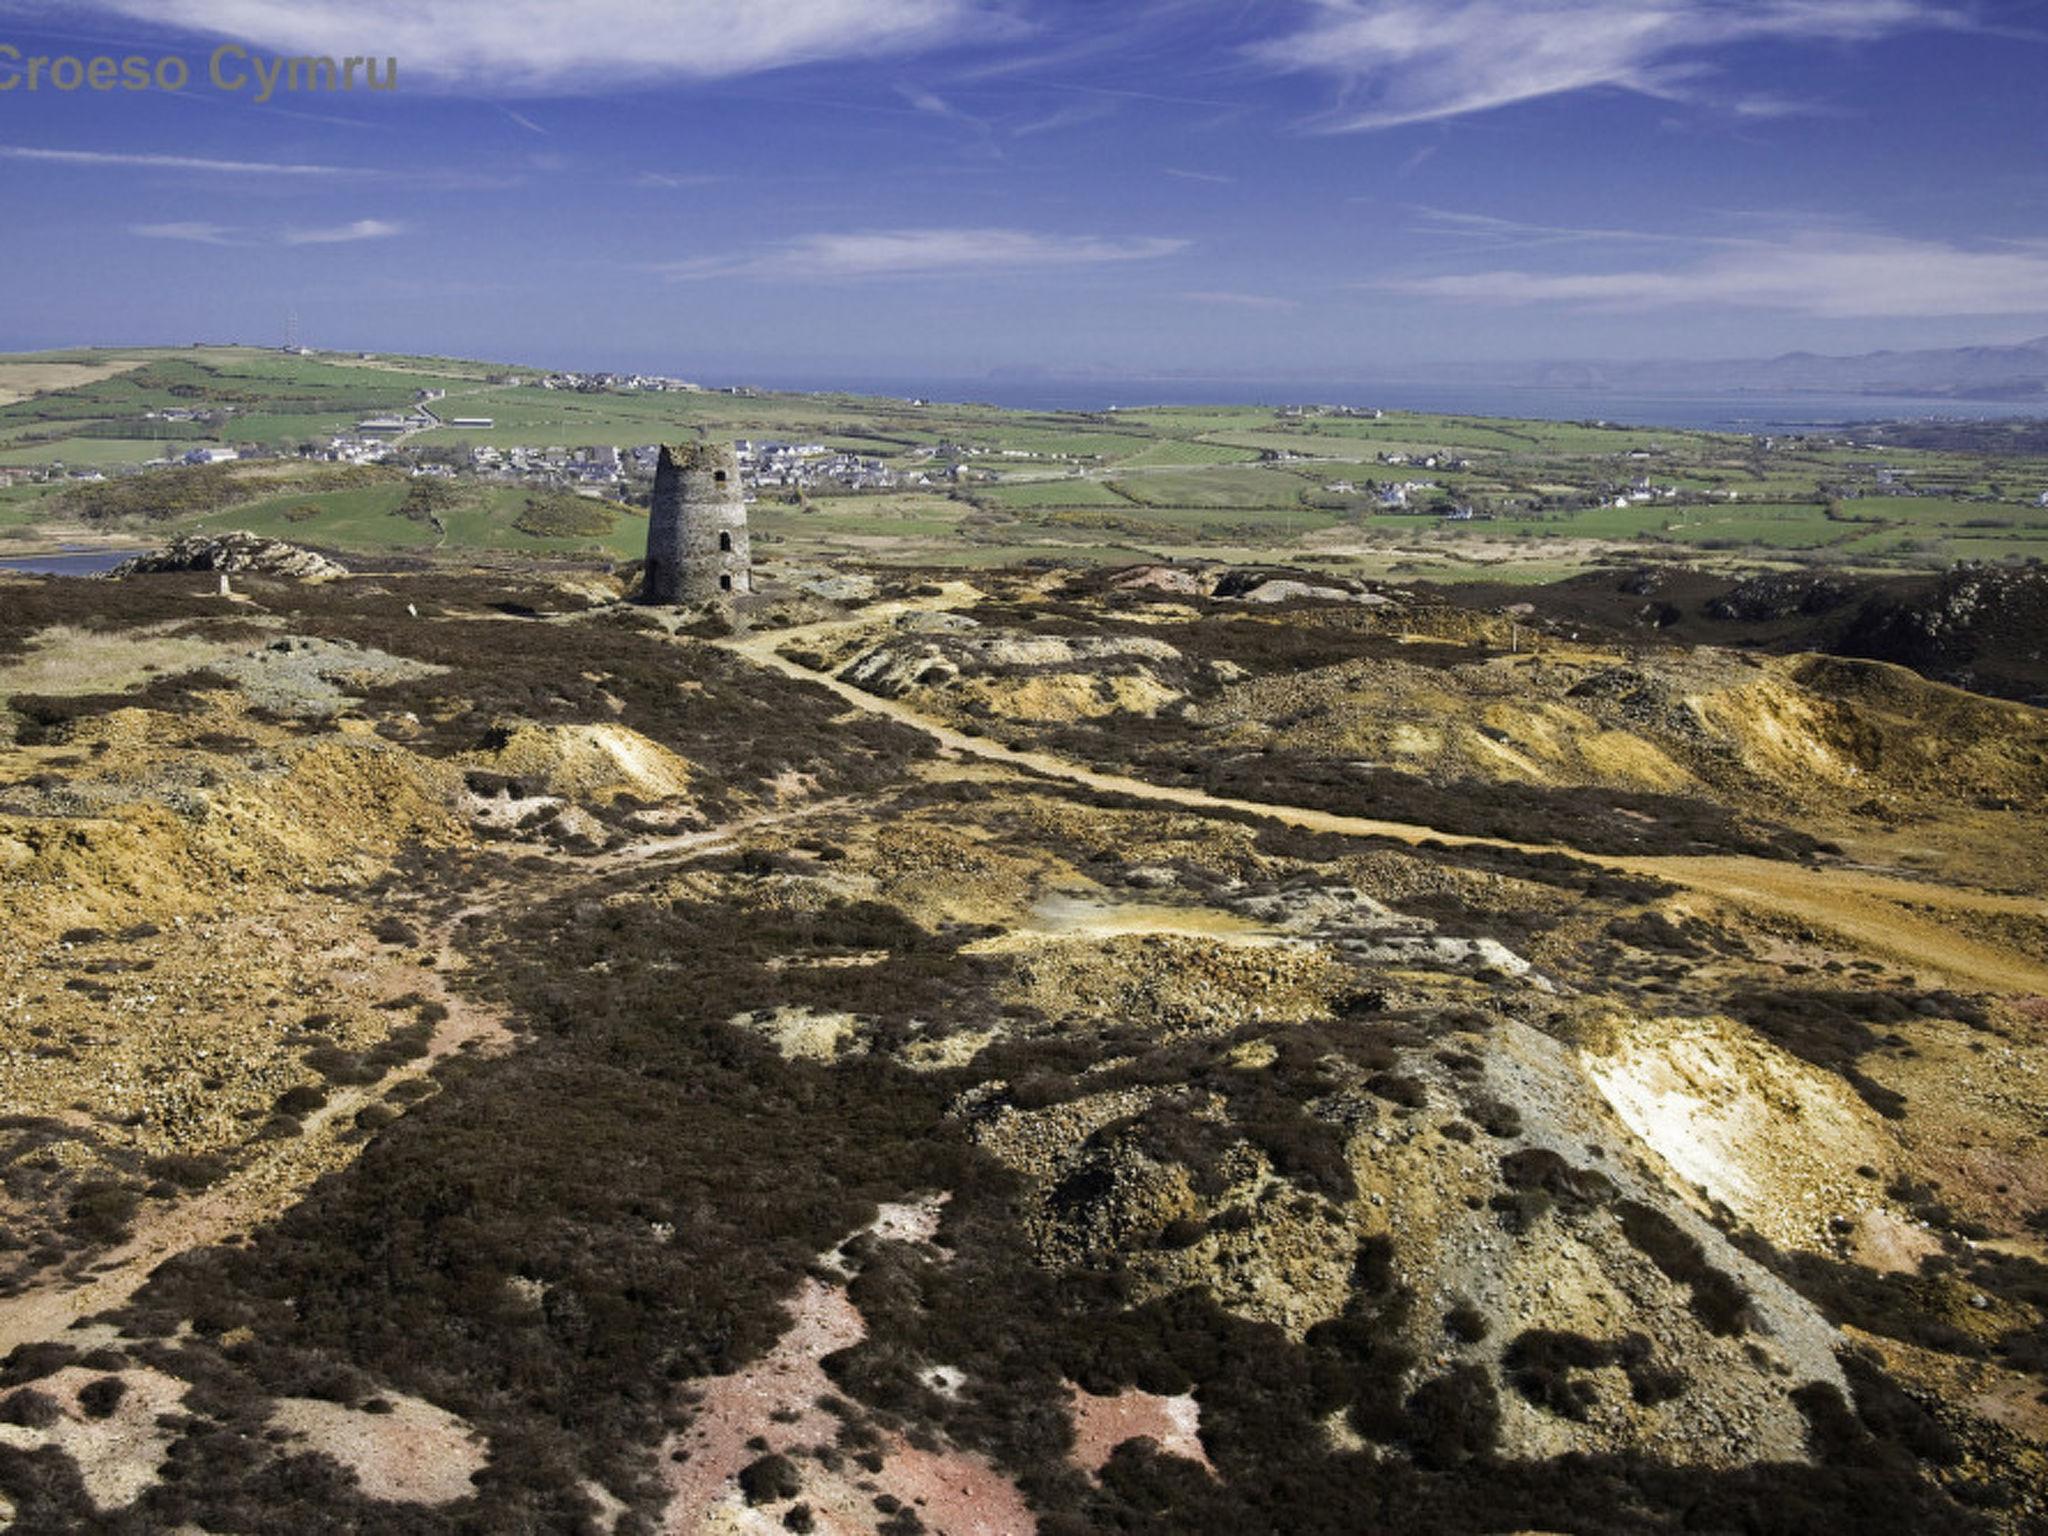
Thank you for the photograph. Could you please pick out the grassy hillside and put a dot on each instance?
(1232, 482)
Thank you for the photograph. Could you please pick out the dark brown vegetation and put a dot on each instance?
(427, 497)
(54, 1216)
(33, 604)
(396, 1274)
(1596, 820)
(1974, 627)
(1835, 1027)
(201, 488)
(552, 1241)
(42, 719)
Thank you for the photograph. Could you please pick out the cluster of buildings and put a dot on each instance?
(1401, 495)
(1641, 493)
(952, 452)
(1425, 460)
(603, 469)
(1394, 495)
(43, 474)
(1350, 412)
(396, 426)
(1888, 481)
(806, 466)
(599, 383)
(600, 469)
(609, 471)
(350, 448)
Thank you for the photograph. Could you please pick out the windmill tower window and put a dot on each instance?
(725, 583)
(719, 477)
(725, 543)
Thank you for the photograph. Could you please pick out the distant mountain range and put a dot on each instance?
(2017, 372)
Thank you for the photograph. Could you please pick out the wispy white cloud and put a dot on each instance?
(1228, 300)
(914, 252)
(978, 129)
(201, 165)
(1215, 178)
(536, 46)
(1416, 61)
(342, 234)
(155, 162)
(678, 181)
(1074, 116)
(1766, 108)
(201, 232)
(1828, 274)
(197, 232)
(918, 99)
(1488, 229)
(1416, 161)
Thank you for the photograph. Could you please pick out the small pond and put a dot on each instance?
(70, 562)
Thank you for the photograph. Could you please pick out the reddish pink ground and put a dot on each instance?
(1101, 1424)
(953, 1492)
(738, 1407)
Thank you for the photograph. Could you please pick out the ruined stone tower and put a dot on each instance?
(697, 529)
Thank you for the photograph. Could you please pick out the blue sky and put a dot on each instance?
(939, 188)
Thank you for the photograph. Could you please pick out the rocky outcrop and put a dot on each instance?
(1282, 590)
(1255, 586)
(1778, 595)
(233, 552)
(1183, 580)
(940, 649)
(1978, 629)
(310, 678)
(596, 763)
(1245, 586)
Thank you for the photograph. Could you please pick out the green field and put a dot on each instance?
(1168, 453)
(1937, 512)
(352, 519)
(1071, 492)
(21, 508)
(1779, 527)
(1224, 486)
(95, 452)
(1229, 482)
(1261, 525)
(368, 518)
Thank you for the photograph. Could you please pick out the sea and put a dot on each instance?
(1713, 412)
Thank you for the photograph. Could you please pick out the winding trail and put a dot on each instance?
(1875, 913)
(1902, 919)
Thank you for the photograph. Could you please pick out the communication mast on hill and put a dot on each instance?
(291, 330)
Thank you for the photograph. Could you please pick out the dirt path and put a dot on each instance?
(1875, 913)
